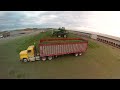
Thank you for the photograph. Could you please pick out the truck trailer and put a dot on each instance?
(51, 48)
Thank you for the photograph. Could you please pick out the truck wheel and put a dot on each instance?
(50, 58)
(25, 60)
(43, 58)
(76, 54)
(80, 54)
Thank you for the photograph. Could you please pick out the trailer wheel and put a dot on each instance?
(25, 60)
(80, 54)
(76, 54)
(50, 58)
(43, 58)
(56, 56)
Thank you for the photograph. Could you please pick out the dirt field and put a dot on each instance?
(16, 34)
(99, 62)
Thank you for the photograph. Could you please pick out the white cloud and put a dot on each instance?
(107, 22)
(33, 13)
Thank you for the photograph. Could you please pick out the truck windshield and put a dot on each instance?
(29, 51)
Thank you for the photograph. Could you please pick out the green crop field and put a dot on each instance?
(99, 61)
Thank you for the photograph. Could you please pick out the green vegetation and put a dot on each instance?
(62, 41)
(99, 61)
(93, 45)
(30, 40)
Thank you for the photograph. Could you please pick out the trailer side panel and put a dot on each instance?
(59, 49)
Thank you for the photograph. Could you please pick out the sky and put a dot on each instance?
(106, 22)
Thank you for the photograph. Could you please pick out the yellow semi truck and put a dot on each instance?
(29, 54)
(51, 48)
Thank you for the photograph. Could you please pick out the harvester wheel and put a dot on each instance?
(50, 58)
(25, 60)
(59, 36)
(76, 54)
(65, 36)
(43, 58)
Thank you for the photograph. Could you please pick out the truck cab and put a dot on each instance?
(28, 55)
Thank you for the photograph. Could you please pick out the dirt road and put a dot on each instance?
(12, 37)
